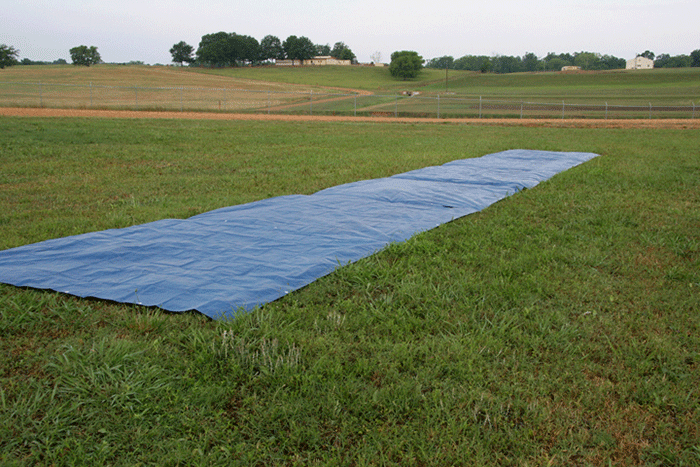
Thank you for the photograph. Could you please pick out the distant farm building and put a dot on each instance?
(316, 61)
(571, 68)
(640, 63)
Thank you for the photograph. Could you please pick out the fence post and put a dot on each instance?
(268, 102)
(521, 110)
(311, 102)
(41, 95)
(90, 93)
(438, 105)
(355, 109)
(181, 105)
(693, 110)
(562, 110)
(396, 105)
(136, 95)
(606, 110)
(649, 110)
(479, 106)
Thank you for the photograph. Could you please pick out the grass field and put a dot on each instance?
(661, 86)
(142, 88)
(557, 327)
(634, 87)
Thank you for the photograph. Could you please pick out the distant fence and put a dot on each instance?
(257, 101)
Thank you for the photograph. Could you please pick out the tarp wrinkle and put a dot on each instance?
(240, 257)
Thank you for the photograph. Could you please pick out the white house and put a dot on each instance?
(640, 63)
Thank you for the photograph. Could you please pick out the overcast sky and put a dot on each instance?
(145, 30)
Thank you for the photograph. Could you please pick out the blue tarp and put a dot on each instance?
(247, 255)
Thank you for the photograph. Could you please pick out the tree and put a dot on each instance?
(441, 62)
(228, 49)
(586, 60)
(506, 64)
(695, 58)
(556, 64)
(8, 55)
(376, 57)
(271, 48)
(405, 64)
(347, 54)
(648, 54)
(213, 49)
(341, 51)
(470, 62)
(182, 52)
(678, 61)
(84, 55)
(530, 61)
(299, 48)
(246, 48)
(610, 62)
(323, 49)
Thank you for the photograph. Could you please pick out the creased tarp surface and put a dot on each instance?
(247, 255)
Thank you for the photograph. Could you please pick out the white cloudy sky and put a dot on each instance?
(144, 30)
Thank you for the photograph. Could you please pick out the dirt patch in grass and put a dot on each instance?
(549, 123)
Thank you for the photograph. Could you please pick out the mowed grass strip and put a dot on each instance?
(558, 326)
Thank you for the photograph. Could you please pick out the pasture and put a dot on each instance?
(337, 90)
(559, 326)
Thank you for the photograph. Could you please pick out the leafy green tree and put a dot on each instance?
(341, 51)
(441, 63)
(586, 60)
(695, 58)
(271, 48)
(246, 48)
(405, 64)
(678, 61)
(322, 49)
(228, 49)
(8, 55)
(530, 61)
(648, 54)
(214, 49)
(506, 64)
(299, 48)
(470, 62)
(610, 62)
(182, 53)
(347, 54)
(84, 55)
(556, 64)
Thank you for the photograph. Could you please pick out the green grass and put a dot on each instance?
(259, 88)
(663, 86)
(369, 78)
(557, 327)
(667, 86)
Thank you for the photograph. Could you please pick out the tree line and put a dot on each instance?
(555, 62)
(676, 61)
(230, 49)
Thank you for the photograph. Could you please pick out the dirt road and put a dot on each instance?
(548, 123)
